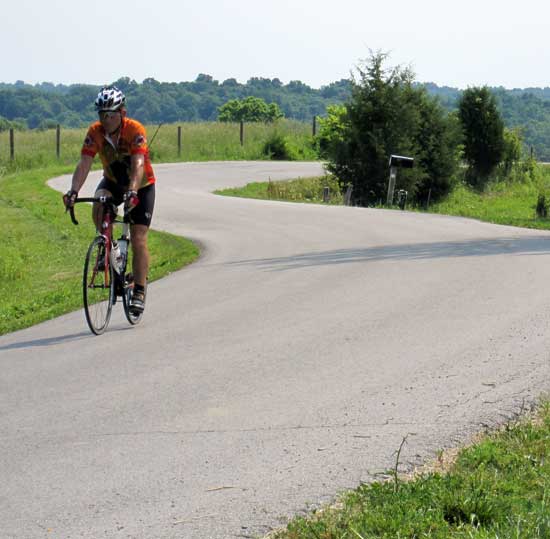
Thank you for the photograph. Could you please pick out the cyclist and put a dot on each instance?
(127, 176)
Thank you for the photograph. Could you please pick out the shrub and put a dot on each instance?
(249, 109)
(278, 148)
(542, 206)
(387, 114)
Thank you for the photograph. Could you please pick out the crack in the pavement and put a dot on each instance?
(388, 423)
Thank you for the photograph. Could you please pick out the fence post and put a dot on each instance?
(179, 140)
(58, 141)
(242, 133)
(314, 126)
(12, 145)
(391, 185)
(347, 196)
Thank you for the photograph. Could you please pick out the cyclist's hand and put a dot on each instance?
(69, 198)
(131, 200)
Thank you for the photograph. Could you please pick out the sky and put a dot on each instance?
(461, 43)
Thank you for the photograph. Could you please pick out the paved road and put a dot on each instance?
(285, 365)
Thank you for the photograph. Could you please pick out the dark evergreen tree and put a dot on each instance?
(388, 115)
(483, 133)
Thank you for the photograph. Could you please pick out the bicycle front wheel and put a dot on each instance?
(98, 287)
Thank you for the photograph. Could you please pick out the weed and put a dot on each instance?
(497, 488)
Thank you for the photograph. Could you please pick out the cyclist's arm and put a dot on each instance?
(81, 172)
(137, 165)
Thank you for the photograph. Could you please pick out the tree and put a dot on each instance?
(250, 109)
(438, 141)
(387, 115)
(231, 83)
(511, 153)
(483, 134)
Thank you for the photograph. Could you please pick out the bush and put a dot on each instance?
(278, 148)
(249, 109)
(542, 206)
(387, 114)
(6, 125)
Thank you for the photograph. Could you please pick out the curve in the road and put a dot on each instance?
(285, 365)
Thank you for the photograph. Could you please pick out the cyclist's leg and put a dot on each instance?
(105, 188)
(141, 217)
(140, 264)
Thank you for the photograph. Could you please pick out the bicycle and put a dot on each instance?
(105, 278)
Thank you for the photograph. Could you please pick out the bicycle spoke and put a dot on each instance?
(97, 287)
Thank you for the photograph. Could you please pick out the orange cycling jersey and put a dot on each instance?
(116, 159)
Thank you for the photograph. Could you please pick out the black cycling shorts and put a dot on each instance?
(143, 212)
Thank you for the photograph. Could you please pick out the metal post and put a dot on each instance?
(314, 126)
(179, 140)
(58, 141)
(12, 145)
(242, 133)
(326, 194)
(347, 196)
(391, 185)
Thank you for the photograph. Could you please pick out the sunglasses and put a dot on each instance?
(107, 115)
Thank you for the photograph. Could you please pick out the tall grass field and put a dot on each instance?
(213, 141)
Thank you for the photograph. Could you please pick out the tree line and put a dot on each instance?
(46, 104)
(152, 101)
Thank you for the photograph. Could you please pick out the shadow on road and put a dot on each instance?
(536, 245)
(47, 341)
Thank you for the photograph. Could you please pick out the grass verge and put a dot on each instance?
(43, 252)
(501, 203)
(497, 488)
(300, 190)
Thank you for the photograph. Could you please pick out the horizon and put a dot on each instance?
(220, 81)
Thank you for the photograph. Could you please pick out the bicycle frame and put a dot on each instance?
(110, 278)
(106, 231)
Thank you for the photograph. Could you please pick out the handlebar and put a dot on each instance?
(103, 200)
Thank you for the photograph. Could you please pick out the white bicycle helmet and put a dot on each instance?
(109, 98)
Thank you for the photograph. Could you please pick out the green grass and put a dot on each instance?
(498, 488)
(208, 141)
(501, 203)
(43, 252)
(299, 190)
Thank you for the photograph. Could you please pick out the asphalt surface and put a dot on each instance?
(285, 365)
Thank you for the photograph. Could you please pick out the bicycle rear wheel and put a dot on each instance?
(98, 287)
